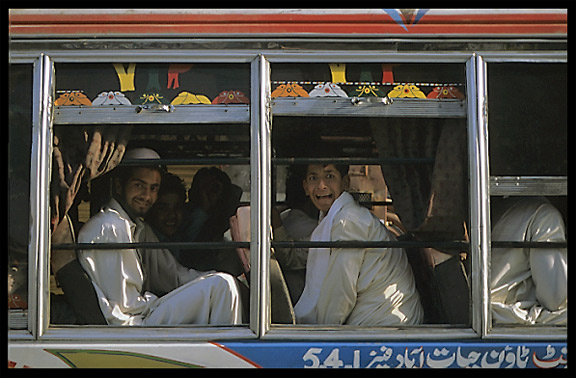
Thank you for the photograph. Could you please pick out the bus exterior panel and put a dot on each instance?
(264, 54)
(353, 22)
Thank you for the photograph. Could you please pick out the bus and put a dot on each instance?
(439, 114)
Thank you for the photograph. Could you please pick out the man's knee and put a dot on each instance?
(225, 281)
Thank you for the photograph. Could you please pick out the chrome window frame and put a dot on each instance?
(40, 169)
(349, 333)
(559, 187)
(41, 152)
(260, 119)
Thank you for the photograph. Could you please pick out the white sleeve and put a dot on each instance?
(117, 273)
(549, 266)
(165, 273)
(339, 289)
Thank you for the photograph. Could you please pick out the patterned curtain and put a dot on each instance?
(431, 201)
(79, 156)
(429, 197)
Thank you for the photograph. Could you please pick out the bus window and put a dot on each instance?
(528, 136)
(19, 134)
(401, 129)
(195, 117)
(528, 168)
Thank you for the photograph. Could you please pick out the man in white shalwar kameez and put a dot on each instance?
(149, 287)
(354, 286)
(528, 285)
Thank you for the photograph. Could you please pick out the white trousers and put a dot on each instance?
(212, 299)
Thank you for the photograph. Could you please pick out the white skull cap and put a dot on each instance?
(141, 153)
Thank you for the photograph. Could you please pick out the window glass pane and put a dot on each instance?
(528, 284)
(19, 144)
(528, 119)
(188, 196)
(406, 166)
(141, 83)
(528, 137)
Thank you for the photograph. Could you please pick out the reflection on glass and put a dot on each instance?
(19, 144)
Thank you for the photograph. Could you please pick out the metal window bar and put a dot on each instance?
(479, 193)
(279, 161)
(188, 161)
(309, 244)
(352, 161)
(41, 153)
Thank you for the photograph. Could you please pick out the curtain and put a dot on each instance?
(79, 156)
(429, 197)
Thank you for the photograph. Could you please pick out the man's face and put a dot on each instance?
(323, 184)
(167, 213)
(141, 191)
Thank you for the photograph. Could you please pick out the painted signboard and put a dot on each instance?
(261, 354)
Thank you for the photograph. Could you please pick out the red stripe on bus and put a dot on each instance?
(285, 23)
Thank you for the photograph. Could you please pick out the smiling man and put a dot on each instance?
(356, 286)
(148, 286)
(139, 192)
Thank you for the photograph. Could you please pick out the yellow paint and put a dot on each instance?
(338, 72)
(185, 98)
(86, 358)
(126, 76)
(406, 91)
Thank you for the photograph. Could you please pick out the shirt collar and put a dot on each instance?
(136, 225)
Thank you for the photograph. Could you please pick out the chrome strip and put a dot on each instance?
(260, 201)
(473, 227)
(241, 56)
(528, 185)
(484, 195)
(146, 335)
(363, 56)
(532, 333)
(430, 332)
(277, 56)
(140, 56)
(525, 57)
(128, 114)
(40, 162)
(343, 107)
(479, 189)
